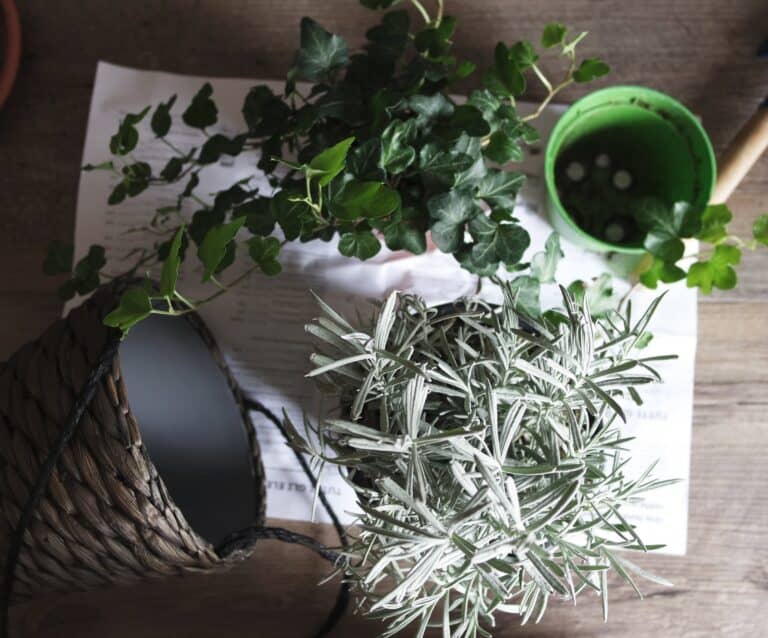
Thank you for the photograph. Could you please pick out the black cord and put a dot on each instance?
(256, 406)
(40, 487)
(242, 539)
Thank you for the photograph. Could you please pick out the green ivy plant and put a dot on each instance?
(366, 145)
(713, 267)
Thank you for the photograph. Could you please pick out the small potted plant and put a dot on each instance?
(485, 448)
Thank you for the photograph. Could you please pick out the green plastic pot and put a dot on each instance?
(661, 139)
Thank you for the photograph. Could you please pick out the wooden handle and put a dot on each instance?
(743, 152)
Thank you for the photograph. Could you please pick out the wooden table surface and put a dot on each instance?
(702, 51)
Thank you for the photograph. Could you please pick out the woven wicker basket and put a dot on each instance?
(97, 512)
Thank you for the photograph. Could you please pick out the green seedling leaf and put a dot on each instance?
(553, 34)
(202, 111)
(760, 229)
(714, 222)
(213, 250)
(666, 228)
(369, 200)
(330, 162)
(360, 243)
(505, 78)
(663, 271)
(523, 55)
(170, 271)
(135, 305)
(717, 271)
(590, 69)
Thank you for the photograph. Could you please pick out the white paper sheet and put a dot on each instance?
(260, 326)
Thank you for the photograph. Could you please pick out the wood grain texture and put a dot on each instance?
(701, 51)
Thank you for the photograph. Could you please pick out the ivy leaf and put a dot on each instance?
(502, 149)
(127, 136)
(430, 107)
(435, 42)
(363, 161)
(264, 251)
(663, 271)
(760, 229)
(368, 200)
(523, 55)
(544, 264)
(388, 41)
(450, 212)
(202, 111)
(359, 243)
(265, 113)
(526, 293)
(666, 226)
(717, 271)
(135, 305)
(553, 34)
(213, 250)
(405, 231)
(330, 162)
(497, 242)
(259, 217)
(320, 54)
(714, 220)
(465, 119)
(590, 69)
(396, 153)
(505, 78)
(218, 145)
(161, 118)
(443, 165)
(499, 188)
(598, 294)
(292, 215)
(85, 278)
(170, 271)
(58, 260)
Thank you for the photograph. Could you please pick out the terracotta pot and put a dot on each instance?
(10, 47)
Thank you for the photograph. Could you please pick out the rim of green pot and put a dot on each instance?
(560, 130)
